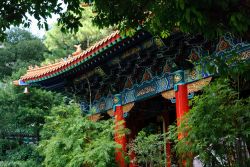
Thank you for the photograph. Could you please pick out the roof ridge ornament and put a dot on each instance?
(78, 50)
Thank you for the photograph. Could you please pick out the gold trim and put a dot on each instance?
(168, 94)
(198, 85)
(95, 117)
(110, 112)
(127, 107)
(192, 87)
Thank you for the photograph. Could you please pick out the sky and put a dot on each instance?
(40, 32)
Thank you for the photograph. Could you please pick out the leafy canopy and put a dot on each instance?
(209, 17)
(72, 140)
(22, 115)
(20, 50)
(148, 149)
(15, 12)
(15, 35)
(61, 44)
(217, 127)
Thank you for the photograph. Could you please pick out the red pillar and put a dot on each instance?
(168, 148)
(120, 137)
(168, 145)
(132, 155)
(181, 96)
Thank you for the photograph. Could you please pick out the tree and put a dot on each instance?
(69, 139)
(62, 44)
(15, 13)
(217, 128)
(22, 117)
(23, 111)
(7, 59)
(148, 149)
(210, 17)
(20, 50)
(15, 35)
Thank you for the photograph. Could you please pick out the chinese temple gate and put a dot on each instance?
(138, 79)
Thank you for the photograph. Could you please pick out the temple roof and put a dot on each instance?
(44, 72)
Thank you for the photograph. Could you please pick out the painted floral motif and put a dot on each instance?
(193, 74)
(223, 44)
(177, 78)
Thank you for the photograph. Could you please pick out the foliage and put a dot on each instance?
(217, 127)
(231, 64)
(23, 156)
(15, 35)
(25, 109)
(22, 115)
(20, 50)
(72, 140)
(208, 17)
(29, 50)
(27, 163)
(16, 13)
(148, 149)
(6, 60)
(61, 44)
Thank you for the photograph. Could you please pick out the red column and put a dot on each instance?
(181, 96)
(120, 136)
(168, 148)
(132, 155)
(165, 116)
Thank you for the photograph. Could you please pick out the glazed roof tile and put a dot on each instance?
(36, 73)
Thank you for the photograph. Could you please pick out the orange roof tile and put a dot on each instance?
(48, 70)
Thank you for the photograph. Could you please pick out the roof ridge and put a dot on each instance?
(102, 40)
(72, 59)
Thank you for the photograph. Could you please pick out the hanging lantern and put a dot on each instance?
(26, 90)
